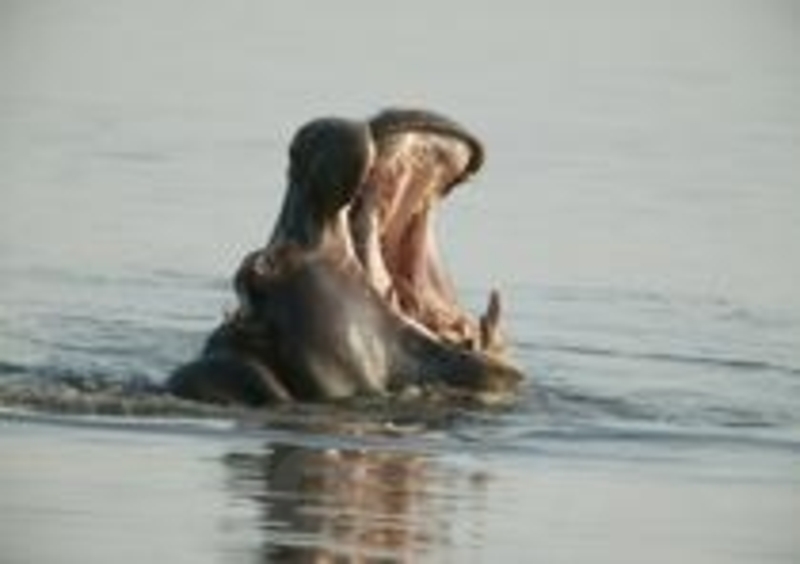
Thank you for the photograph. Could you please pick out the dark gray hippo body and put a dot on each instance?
(324, 310)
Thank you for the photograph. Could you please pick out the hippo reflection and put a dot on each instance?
(349, 296)
(356, 505)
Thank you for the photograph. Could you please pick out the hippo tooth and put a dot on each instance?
(490, 322)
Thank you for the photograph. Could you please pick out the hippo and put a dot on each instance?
(349, 297)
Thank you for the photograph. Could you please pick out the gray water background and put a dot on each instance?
(639, 211)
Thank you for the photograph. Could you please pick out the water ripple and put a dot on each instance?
(743, 364)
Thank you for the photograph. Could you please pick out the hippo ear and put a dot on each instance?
(329, 159)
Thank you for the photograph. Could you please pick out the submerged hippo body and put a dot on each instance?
(349, 297)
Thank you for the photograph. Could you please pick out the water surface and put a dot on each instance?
(640, 213)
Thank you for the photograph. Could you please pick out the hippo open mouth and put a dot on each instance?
(419, 158)
(350, 296)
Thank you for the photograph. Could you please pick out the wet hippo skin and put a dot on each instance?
(349, 295)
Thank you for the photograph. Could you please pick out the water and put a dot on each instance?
(640, 212)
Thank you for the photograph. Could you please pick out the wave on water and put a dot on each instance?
(601, 364)
(543, 415)
(744, 364)
(55, 390)
(60, 395)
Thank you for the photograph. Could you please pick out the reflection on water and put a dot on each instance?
(86, 491)
(324, 505)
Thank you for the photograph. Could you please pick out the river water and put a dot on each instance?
(639, 211)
